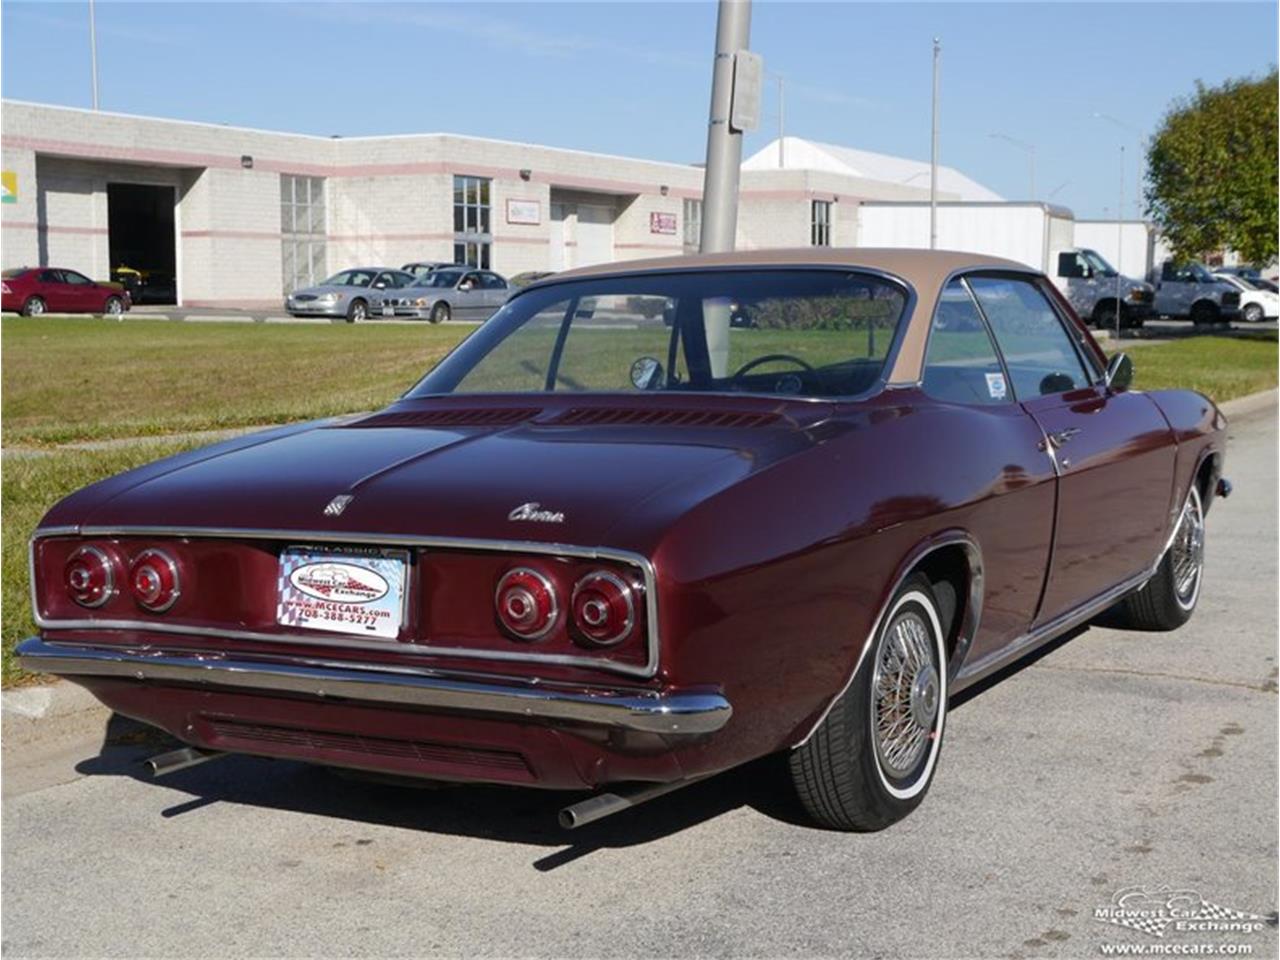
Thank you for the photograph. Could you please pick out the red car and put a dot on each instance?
(32, 291)
(593, 551)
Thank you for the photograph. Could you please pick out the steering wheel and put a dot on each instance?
(769, 358)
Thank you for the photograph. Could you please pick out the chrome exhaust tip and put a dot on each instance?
(607, 804)
(180, 759)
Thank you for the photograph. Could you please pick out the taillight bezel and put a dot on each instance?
(160, 562)
(549, 618)
(583, 628)
(106, 562)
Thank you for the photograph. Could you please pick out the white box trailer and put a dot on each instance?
(1128, 246)
(1030, 233)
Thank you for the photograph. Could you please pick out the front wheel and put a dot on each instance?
(359, 310)
(440, 313)
(1204, 313)
(34, 307)
(114, 307)
(1167, 600)
(1253, 312)
(871, 760)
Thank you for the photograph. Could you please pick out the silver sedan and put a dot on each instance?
(354, 294)
(449, 294)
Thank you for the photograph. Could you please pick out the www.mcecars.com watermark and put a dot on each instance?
(1162, 911)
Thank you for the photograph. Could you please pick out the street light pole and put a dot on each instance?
(933, 153)
(93, 52)
(1120, 247)
(782, 130)
(724, 144)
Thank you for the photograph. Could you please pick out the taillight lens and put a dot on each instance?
(154, 580)
(604, 608)
(527, 603)
(4, 287)
(90, 576)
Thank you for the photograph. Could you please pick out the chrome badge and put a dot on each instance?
(337, 505)
(534, 513)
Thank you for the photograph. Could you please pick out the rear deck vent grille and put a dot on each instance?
(592, 416)
(292, 740)
(498, 417)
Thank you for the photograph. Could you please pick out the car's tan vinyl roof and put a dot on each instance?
(925, 270)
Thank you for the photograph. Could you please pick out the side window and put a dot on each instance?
(494, 282)
(474, 281)
(51, 276)
(77, 278)
(1037, 348)
(960, 364)
(1071, 266)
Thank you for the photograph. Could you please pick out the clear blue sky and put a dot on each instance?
(634, 78)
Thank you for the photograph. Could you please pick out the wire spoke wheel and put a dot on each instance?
(1187, 551)
(905, 695)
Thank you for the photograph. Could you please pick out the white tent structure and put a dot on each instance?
(808, 155)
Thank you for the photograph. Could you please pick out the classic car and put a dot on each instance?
(352, 295)
(449, 293)
(33, 291)
(588, 551)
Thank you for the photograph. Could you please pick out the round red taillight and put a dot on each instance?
(527, 603)
(90, 576)
(604, 608)
(153, 578)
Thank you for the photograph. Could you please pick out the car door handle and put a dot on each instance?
(1059, 437)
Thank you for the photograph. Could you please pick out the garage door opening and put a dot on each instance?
(141, 236)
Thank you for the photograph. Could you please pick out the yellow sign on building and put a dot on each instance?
(8, 186)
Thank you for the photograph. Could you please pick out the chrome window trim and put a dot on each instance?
(646, 671)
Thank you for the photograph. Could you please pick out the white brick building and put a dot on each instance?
(235, 217)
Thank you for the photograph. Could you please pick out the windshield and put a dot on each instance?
(350, 278)
(815, 333)
(1201, 273)
(1100, 267)
(439, 278)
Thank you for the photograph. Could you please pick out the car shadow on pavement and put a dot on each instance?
(514, 814)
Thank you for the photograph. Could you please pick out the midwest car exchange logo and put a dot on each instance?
(1156, 911)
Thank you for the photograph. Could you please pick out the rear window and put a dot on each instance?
(13, 273)
(807, 332)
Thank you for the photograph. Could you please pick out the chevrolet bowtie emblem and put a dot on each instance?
(337, 505)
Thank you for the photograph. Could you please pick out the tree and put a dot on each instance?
(1211, 170)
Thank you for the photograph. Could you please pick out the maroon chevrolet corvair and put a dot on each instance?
(651, 521)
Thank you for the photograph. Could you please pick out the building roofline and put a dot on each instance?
(1050, 208)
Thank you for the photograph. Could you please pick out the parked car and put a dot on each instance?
(583, 553)
(529, 276)
(449, 293)
(1189, 290)
(352, 294)
(33, 291)
(1092, 287)
(1257, 303)
(420, 268)
(1262, 283)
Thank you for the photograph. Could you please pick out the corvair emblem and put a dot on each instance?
(534, 513)
(337, 505)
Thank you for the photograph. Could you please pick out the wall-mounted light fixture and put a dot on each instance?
(664, 189)
(526, 173)
(246, 161)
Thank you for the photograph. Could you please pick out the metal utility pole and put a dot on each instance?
(1120, 247)
(93, 52)
(933, 153)
(1030, 148)
(724, 143)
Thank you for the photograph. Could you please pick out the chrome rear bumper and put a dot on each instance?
(674, 713)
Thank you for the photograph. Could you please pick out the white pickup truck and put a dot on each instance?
(1190, 290)
(1094, 287)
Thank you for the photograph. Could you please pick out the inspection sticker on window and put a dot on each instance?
(995, 386)
(347, 591)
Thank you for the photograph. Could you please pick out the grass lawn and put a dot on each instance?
(88, 379)
(31, 486)
(82, 379)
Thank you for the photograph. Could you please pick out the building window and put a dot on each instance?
(692, 225)
(472, 234)
(302, 231)
(820, 224)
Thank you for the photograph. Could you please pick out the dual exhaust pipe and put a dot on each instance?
(571, 817)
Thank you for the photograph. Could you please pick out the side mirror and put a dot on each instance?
(1119, 372)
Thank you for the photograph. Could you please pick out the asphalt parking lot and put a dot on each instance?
(1114, 760)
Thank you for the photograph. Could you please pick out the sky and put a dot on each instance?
(634, 78)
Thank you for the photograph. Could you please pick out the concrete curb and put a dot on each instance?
(60, 709)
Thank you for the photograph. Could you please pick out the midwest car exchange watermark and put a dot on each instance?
(1165, 911)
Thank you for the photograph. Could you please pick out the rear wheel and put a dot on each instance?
(871, 760)
(1167, 600)
(440, 313)
(34, 307)
(1204, 313)
(359, 310)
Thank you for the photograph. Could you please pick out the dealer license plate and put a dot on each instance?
(351, 591)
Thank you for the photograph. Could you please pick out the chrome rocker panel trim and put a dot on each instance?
(668, 714)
